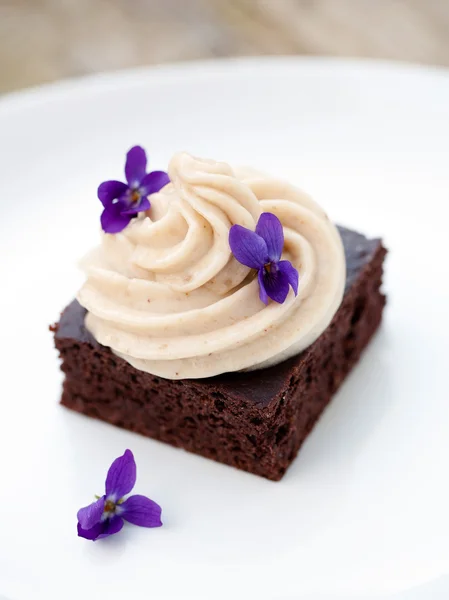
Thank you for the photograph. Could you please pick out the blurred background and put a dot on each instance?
(46, 40)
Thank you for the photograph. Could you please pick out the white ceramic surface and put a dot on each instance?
(364, 508)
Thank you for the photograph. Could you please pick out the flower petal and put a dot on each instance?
(110, 190)
(142, 511)
(262, 293)
(248, 247)
(112, 526)
(101, 530)
(113, 220)
(141, 206)
(92, 533)
(91, 515)
(136, 166)
(144, 204)
(270, 229)
(153, 182)
(286, 267)
(275, 285)
(121, 476)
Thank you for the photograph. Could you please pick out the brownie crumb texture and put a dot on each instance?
(254, 421)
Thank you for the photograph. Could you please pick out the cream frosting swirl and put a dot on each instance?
(168, 296)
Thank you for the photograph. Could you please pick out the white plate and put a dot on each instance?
(364, 508)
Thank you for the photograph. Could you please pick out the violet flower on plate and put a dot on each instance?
(262, 250)
(106, 516)
(122, 201)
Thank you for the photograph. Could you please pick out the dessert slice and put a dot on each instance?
(220, 312)
(255, 420)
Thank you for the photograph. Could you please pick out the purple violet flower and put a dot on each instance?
(122, 201)
(262, 250)
(105, 516)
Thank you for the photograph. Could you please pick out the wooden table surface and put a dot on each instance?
(45, 40)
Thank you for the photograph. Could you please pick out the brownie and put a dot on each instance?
(255, 421)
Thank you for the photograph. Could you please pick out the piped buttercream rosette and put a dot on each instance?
(168, 296)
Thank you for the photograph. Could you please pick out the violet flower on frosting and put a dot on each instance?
(122, 201)
(262, 250)
(106, 516)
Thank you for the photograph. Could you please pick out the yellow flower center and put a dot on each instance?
(109, 506)
(135, 196)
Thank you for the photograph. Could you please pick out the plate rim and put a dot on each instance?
(32, 97)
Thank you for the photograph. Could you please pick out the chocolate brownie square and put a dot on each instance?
(255, 421)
